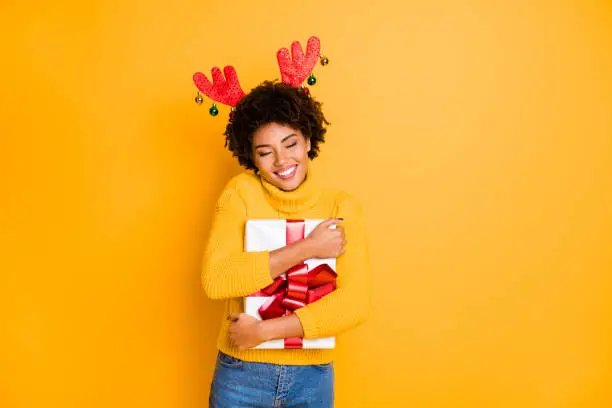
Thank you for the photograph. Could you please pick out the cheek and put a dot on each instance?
(300, 151)
(262, 163)
(256, 161)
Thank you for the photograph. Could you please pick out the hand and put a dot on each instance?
(245, 331)
(325, 242)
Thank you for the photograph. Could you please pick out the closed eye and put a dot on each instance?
(292, 145)
(262, 154)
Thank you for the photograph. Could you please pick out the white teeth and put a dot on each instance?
(286, 172)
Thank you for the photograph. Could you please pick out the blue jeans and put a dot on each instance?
(238, 384)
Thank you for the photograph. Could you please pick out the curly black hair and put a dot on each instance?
(274, 102)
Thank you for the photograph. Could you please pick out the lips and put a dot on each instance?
(286, 172)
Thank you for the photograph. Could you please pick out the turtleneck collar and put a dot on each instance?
(300, 199)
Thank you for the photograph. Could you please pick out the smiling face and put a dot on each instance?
(280, 153)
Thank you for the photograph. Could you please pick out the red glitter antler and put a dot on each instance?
(295, 69)
(223, 90)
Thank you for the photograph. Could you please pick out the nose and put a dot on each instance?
(280, 159)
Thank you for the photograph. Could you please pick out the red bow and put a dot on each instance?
(299, 288)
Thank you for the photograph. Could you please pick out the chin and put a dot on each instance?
(289, 186)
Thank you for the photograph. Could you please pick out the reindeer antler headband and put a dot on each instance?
(294, 70)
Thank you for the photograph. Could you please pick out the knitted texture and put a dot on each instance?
(230, 273)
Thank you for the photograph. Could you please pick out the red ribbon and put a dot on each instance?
(299, 288)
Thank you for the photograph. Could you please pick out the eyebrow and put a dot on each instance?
(284, 138)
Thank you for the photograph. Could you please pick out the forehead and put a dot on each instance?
(273, 133)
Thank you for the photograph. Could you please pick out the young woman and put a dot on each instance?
(275, 131)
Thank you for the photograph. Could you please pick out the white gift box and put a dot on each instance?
(268, 235)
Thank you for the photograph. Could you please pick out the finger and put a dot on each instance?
(330, 221)
(326, 223)
(234, 317)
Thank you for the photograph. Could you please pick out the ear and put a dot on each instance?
(308, 148)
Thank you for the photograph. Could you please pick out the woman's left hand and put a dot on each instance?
(245, 331)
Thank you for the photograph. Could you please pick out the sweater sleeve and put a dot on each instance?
(228, 271)
(349, 305)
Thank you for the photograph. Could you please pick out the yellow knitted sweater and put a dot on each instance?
(230, 273)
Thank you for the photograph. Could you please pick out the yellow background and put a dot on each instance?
(478, 136)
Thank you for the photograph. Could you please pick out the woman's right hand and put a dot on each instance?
(325, 242)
